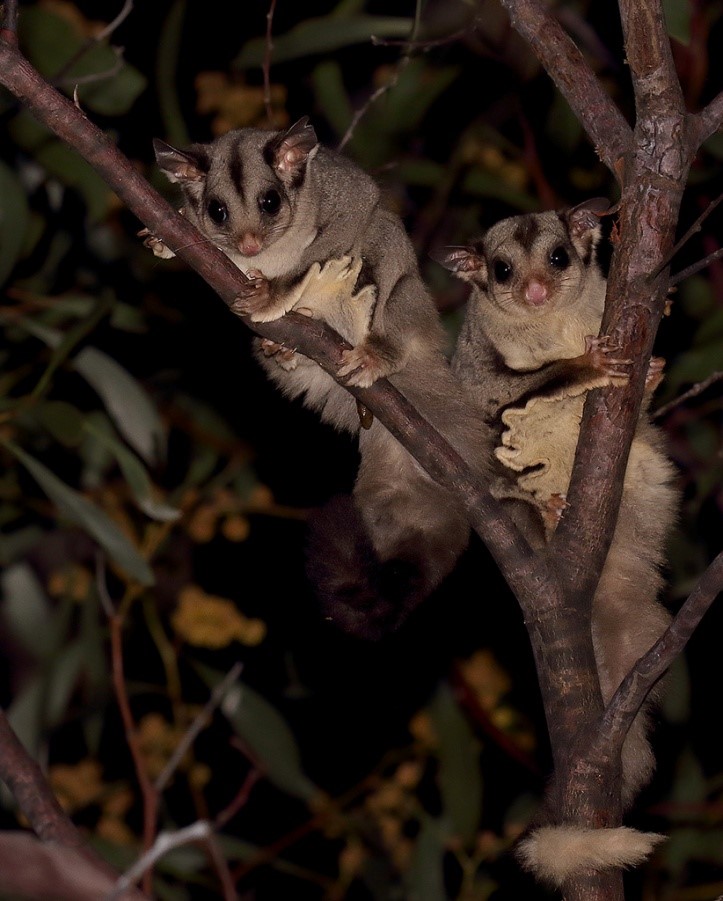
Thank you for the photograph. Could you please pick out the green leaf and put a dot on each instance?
(675, 705)
(62, 420)
(127, 402)
(51, 41)
(81, 511)
(133, 471)
(169, 49)
(677, 19)
(43, 701)
(402, 107)
(424, 881)
(26, 609)
(63, 163)
(323, 35)
(14, 219)
(460, 779)
(266, 732)
(331, 95)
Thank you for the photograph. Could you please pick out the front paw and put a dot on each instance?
(600, 354)
(362, 366)
(284, 357)
(155, 245)
(254, 300)
(654, 375)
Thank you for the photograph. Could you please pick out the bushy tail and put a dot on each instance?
(554, 854)
(361, 592)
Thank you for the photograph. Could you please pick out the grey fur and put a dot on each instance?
(334, 252)
(522, 345)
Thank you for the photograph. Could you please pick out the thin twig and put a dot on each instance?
(9, 25)
(695, 267)
(410, 45)
(240, 801)
(694, 229)
(393, 81)
(165, 842)
(267, 63)
(36, 800)
(95, 77)
(222, 868)
(60, 75)
(697, 389)
(199, 722)
(148, 792)
(633, 690)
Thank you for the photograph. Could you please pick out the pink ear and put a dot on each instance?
(586, 216)
(461, 260)
(292, 151)
(181, 165)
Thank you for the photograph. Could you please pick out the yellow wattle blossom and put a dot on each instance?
(115, 831)
(213, 622)
(77, 785)
(486, 678)
(157, 739)
(72, 580)
(237, 104)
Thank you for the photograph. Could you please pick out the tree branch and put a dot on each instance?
(627, 700)
(578, 84)
(310, 337)
(29, 787)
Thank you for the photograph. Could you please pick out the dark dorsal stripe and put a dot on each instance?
(526, 232)
(236, 169)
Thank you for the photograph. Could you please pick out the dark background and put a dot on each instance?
(506, 144)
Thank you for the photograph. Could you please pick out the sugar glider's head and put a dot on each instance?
(244, 189)
(530, 264)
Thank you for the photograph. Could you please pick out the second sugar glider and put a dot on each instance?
(528, 349)
(308, 227)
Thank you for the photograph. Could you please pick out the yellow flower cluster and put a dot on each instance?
(491, 685)
(208, 621)
(77, 786)
(236, 104)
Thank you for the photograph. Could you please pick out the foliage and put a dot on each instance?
(147, 466)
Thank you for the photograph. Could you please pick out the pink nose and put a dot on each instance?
(249, 244)
(535, 293)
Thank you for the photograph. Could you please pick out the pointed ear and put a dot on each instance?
(184, 166)
(465, 262)
(289, 153)
(585, 217)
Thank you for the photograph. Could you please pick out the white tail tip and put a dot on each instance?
(555, 853)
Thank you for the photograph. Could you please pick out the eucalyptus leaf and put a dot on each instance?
(14, 545)
(14, 218)
(51, 42)
(127, 402)
(133, 471)
(460, 779)
(424, 880)
(323, 35)
(63, 163)
(42, 702)
(81, 511)
(677, 19)
(26, 609)
(270, 738)
(62, 420)
(266, 732)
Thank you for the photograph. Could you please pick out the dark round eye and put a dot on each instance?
(560, 258)
(502, 271)
(270, 202)
(217, 211)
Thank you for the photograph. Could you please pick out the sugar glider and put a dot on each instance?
(528, 350)
(308, 226)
